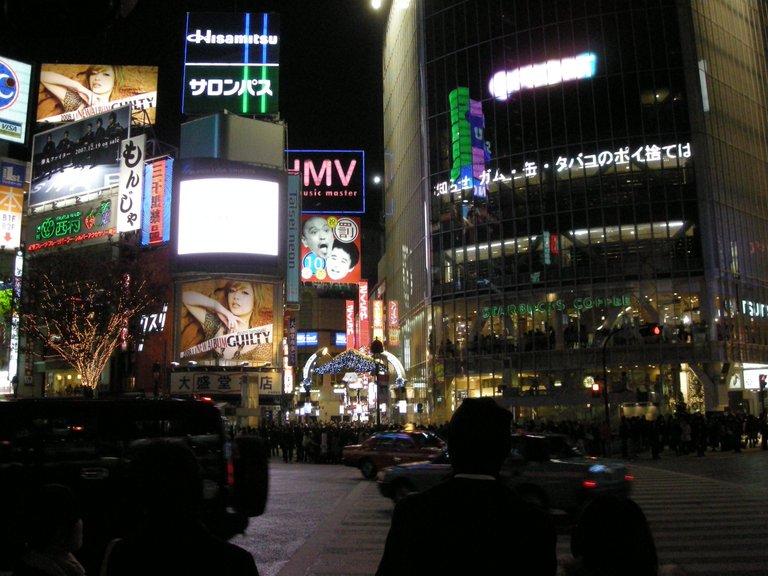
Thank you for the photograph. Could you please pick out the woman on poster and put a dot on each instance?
(233, 327)
(104, 83)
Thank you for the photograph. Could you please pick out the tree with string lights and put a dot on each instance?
(78, 304)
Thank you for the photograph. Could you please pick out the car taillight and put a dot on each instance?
(230, 472)
(629, 478)
(589, 484)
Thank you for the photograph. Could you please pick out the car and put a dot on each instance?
(547, 469)
(87, 445)
(384, 449)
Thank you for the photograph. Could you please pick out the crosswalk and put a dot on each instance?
(706, 526)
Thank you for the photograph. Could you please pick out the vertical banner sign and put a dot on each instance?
(350, 321)
(156, 209)
(378, 320)
(393, 323)
(364, 332)
(294, 216)
(292, 341)
(11, 202)
(131, 183)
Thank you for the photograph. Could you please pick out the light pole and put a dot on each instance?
(605, 379)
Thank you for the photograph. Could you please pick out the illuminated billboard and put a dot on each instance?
(231, 62)
(156, 210)
(78, 158)
(70, 92)
(330, 248)
(228, 319)
(332, 181)
(15, 79)
(11, 202)
(506, 82)
(78, 225)
(230, 216)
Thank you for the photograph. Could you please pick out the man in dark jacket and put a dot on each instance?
(472, 523)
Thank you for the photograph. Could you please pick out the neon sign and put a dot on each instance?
(580, 303)
(579, 165)
(505, 83)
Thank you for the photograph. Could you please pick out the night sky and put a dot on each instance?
(330, 60)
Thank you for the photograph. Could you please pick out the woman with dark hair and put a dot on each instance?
(612, 538)
(170, 537)
(53, 530)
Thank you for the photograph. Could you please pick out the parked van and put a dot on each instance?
(87, 445)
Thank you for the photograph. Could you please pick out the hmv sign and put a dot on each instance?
(332, 181)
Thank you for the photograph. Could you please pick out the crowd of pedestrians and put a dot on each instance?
(679, 434)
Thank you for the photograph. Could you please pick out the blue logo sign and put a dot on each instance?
(9, 86)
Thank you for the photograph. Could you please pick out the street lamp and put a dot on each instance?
(156, 377)
(611, 333)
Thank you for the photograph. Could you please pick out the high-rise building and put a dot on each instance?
(576, 196)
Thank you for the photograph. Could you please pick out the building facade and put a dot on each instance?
(576, 195)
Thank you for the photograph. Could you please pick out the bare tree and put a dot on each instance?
(78, 304)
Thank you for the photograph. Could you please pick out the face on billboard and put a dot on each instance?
(229, 215)
(330, 249)
(228, 319)
(14, 99)
(231, 61)
(332, 181)
(77, 158)
(70, 92)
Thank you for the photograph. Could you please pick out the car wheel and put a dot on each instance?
(368, 469)
(402, 489)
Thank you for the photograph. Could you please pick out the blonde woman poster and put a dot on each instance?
(69, 92)
(227, 319)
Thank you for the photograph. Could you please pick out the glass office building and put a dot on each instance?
(577, 195)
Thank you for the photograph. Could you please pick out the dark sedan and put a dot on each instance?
(546, 469)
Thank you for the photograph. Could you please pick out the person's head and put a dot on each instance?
(52, 520)
(479, 436)
(244, 298)
(341, 259)
(99, 123)
(105, 80)
(166, 479)
(612, 537)
(240, 297)
(317, 235)
(112, 118)
(89, 127)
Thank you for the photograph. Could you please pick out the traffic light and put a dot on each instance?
(597, 390)
(656, 331)
(762, 381)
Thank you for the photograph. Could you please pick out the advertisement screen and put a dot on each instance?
(229, 217)
(80, 225)
(14, 99)
(226, 319)
(235, 215)
(77, 158)
(332, 181)
(330, 248)
(231, 62)
(70, 92)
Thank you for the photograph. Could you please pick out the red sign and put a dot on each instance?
(365, 326)
(350, 320)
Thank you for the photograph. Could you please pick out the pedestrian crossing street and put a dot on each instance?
(708, 527)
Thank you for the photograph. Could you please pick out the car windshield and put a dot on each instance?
(424, 440)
